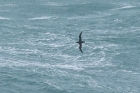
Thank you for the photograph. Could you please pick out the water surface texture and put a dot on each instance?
(38, 53)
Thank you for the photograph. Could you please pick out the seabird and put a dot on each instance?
(80, 42)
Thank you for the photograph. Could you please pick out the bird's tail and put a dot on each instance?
(83, 41)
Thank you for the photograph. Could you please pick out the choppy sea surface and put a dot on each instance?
(38, 53)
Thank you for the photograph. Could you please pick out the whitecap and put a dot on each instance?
(52, 4)
(10, 5)
(125, 6)
(73, 67)
(3, 18)
(42, 18)
(128, 71)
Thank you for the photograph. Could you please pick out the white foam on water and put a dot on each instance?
(3, 18)
(9, 5)
(52, 4)
(127, 7)
(65, 3)
(124, 6)
(128, 71)
(43, 18)
(40, 18)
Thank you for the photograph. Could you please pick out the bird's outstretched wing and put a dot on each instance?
(80, 47)
(80, 38)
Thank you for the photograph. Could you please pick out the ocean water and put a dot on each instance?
(38, 53)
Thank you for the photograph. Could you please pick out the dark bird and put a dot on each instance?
(80, 42)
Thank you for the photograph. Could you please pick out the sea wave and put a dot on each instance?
(42, 18)
(4, 18)
(124, 6)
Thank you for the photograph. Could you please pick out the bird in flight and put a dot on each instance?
(80, 42)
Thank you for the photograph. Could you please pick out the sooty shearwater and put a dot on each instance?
(80, 42)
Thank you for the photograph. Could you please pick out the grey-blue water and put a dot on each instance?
(38, 53)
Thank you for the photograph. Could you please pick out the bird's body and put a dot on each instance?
(80, 42)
